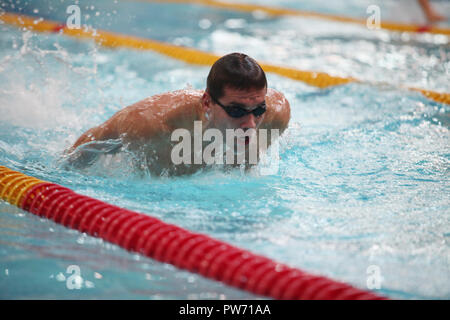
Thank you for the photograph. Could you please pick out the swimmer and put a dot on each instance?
(236, 97)
(431, 15)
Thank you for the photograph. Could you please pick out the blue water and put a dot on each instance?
(363, 178)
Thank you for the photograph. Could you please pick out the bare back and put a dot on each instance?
(147, 125)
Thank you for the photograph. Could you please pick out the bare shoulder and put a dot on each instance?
(164, 104)
(183, 109)
(278, 110)
(159, 114)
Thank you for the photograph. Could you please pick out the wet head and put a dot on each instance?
(235, 93)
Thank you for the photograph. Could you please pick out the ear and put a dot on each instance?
(206, 102)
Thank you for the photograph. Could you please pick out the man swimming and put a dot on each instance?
(236, 97)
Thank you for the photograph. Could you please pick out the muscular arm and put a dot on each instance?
(105, 131)
(145, 120)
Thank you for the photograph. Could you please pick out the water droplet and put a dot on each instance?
(204, 23)
(60, 277)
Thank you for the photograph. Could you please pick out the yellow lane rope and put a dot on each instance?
(188, 55)
(14, 185)
(277, 11)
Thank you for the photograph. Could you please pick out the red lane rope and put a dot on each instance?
(187, 250)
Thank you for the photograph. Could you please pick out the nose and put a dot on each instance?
(249, 121)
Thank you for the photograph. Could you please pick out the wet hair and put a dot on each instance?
(237, 71)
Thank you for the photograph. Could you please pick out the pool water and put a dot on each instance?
(363, 178)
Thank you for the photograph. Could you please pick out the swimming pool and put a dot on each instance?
(363, 177)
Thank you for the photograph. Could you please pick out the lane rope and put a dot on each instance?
(278, 11)
(169, 243)
(189, 55)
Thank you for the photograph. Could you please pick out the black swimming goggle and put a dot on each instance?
(237, 110)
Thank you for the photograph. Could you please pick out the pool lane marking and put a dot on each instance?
(168, 243)
(278, 11)
(190, 55)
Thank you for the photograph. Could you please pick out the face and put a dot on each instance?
(248, 99)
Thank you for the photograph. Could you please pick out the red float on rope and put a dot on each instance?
(89, 214)
(182, 248)
(55, 204)
(31, 194)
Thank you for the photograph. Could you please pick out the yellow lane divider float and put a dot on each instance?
(188, 55)
(277, 11)
(14, 185)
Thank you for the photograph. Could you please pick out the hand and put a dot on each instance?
(434, 17)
